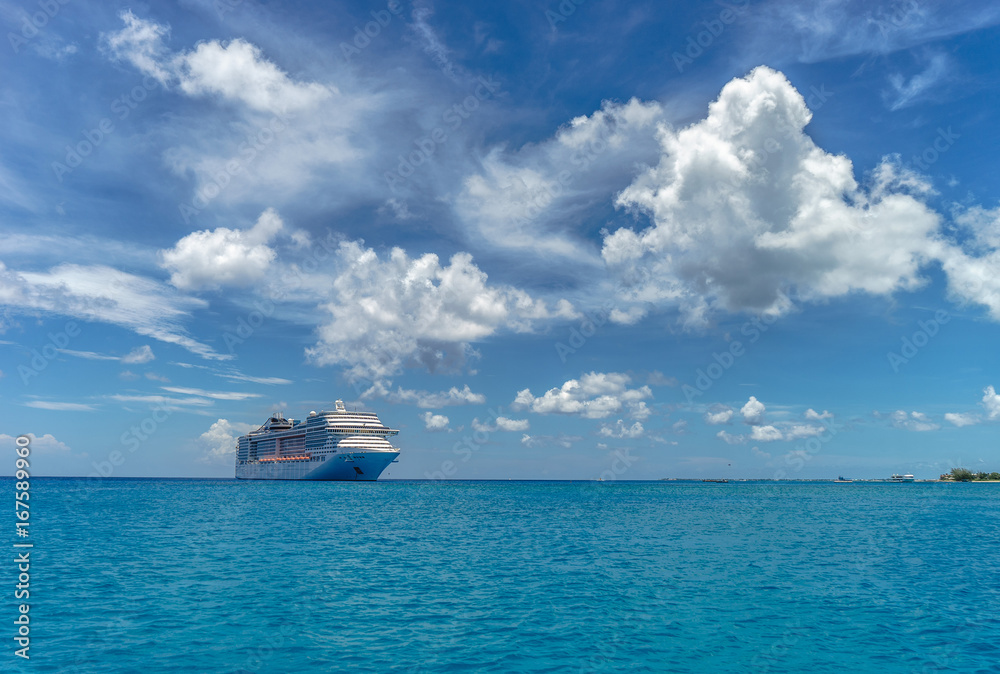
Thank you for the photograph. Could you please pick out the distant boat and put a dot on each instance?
(896, 477)
(715, 480)
(843, 479)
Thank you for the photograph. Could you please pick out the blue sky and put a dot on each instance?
(543, 240)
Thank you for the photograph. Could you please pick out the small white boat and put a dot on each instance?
(896, 477)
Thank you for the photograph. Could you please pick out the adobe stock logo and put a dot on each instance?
(41, 359)
(911, 345)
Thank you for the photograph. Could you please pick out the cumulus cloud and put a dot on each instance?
(753, 411)
(530, 200)
(719, 417)
(991, 403)
(960, 419)
(813, 415)
(759, 453)
(914, 421)
(731, 439)
(753, 415)
(799, 431)
(748, 211)
(621, 430)
(43, 444)
(501, 424)
(222, 256)
(219, 441)
(983, 226)
(434, 422)
(974, 279)
(236, 71)
(595, 395)
(401, 311)
(424, 399)
(972, 268)
(765, 434)
(507, 424)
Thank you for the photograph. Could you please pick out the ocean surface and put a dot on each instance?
(224, 576)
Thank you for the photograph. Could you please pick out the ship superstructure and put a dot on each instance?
(337, 445)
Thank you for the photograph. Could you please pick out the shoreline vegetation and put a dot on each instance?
(966, 475)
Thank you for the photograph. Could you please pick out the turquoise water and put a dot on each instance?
(225, 576)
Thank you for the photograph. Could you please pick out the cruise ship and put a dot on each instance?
(337, 445)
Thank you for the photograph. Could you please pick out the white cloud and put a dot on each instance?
(401, 311)
(753, 414)
(424, 399)
(89, 355)
(753, 411)
(434, 422)
(561, 440)
(960, 420)
(167, 402)
(991, 403)
(236, 71)
(501, 424)
(594, 396)
(46, 444)
(798, 431)
(765, 434)
(914, 421)
(730, 439)
(983, 224)
(237, 376)
(759, 453)
(620, 430)
(222, 256)
(138, 355)
(506, 424)
(239, 72)
(104, 294)
(530, 201)
(60, 407)
(140, 42)
(747, 209)
(813, 415)
(905, 93)
(215, 395)
(639, 411)
(974, 279)
(720, 417)
(219, 441)
(818, 31)
(991, 410)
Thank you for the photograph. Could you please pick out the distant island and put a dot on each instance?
(966, 475)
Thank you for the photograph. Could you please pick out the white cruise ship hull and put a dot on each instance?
(353, 466)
